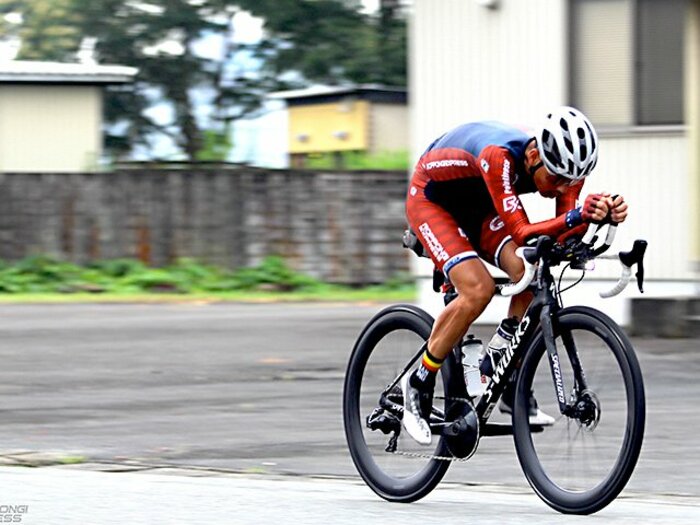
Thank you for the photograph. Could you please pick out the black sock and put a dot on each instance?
(424, 376)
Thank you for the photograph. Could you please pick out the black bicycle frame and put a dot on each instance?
(539, 313)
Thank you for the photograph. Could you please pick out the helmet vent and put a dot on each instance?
(569, 144)
(592, 135)
(551, 152)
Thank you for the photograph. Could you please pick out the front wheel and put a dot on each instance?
(583, 461)
(384, 348)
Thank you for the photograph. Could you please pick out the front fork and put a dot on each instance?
(555, 363)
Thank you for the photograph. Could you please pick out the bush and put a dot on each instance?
(41, 274)
(272, 274)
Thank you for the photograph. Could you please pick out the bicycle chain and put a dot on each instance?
(419, 455)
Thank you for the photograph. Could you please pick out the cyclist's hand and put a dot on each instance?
(618, 208)
(595, 207)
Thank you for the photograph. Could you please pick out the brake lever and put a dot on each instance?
(627, 260)
(636, 256)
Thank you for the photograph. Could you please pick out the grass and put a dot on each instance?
(41, 279)
(371, 294)
(360, 160)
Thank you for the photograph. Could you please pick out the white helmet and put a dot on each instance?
(568, 144)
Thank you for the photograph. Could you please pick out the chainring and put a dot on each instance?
(464, 438)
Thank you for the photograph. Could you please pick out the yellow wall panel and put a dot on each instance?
(337, 126)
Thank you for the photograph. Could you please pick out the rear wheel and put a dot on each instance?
(385, 347)
(582, 462)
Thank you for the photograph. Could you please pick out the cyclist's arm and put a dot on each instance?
(569, 200)
(496, 165)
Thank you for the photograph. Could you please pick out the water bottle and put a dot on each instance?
(472, 349)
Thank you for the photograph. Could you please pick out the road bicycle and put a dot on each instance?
(590, 380)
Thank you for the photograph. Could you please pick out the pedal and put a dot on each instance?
(382, 420)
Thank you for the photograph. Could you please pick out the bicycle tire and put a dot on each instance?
(388, 486)
(588, 324)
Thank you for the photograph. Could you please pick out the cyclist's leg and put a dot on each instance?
(475, 289)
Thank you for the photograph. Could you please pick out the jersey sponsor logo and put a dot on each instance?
(512, 204)
(413, 191)
(485, 165)
(496, 224)
(445, 164)
(435, 247)
(505, 177)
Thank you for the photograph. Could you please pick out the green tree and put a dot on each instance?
(49, 30)
(326, 42)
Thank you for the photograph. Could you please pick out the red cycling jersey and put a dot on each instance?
(464, 200)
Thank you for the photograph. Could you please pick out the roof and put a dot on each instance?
(317, 94)
(24, 71)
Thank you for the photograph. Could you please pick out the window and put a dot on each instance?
(627, 60)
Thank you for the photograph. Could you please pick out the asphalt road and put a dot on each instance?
(256, 389)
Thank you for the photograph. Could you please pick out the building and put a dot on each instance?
(632, 65)
(333, 120)
(51, 114)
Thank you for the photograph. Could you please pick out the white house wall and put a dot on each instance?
(469, 62)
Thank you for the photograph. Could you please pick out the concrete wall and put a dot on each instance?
(341, 227)
(50, 127)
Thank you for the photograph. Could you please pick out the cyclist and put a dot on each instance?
(463, 204)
